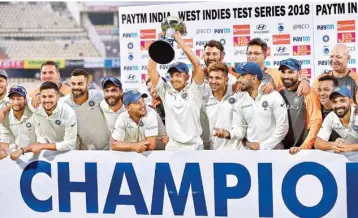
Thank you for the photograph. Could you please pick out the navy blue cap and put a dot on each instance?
(249, 68)
(341, 90)
(290, 63)
(4, 74)
(180, 67)
(111, 79)
(17, 89)
(132, 96)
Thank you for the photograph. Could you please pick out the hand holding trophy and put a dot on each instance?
(161, 51)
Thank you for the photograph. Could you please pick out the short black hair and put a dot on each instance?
(52, 63)
(329, 78)
(214, 43)
(258, 42)
(80, 72)
(49, 85)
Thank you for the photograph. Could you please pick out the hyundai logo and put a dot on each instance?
(281, 49)
(261, 27)
(131, 77)
(325, 38)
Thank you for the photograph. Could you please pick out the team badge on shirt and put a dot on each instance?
(355, 128)
(28, 125)
(231, 100)
(184, 95)
(265, 105)
(91, 103)
(141, 123)
(58, 122)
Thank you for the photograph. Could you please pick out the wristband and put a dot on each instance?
(23, 152)
(229, 136)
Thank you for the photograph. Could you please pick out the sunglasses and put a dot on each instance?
(112, 79)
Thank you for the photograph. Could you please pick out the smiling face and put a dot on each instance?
(138, 109)
(112, 94)
(178, 80)
(341, 105)
(49, 98)
(325, 88)
(79, 86)
(218, 80)
(212, 54)
(18, 102)
(339, 58)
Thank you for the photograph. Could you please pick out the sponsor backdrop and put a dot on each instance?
(179, 184)
(303, 31)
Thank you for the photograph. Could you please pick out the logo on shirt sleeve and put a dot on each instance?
(91, 103)
(58, 122)
(28, 125)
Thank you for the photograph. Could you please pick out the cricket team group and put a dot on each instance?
(247, 106)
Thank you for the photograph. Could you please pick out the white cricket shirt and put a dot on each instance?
(59, 128)
(93, 130)
(220, 115)
(182, 114)
(109, 114)
(23, 130)
(126, 130)
(332, 122)
(263, 120)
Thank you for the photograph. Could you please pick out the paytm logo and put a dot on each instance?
(325, 27)
(222, 31)
(352, 61)
(130, 68)
(130, 35)
(305, 62)
(201, 43)
(301, 38)
(323, 63)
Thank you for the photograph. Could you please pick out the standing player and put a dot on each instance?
(55, 124)
(304, 112)
(17, 123)
(343, 120)
(4, 100)
(260, 120)
(326, 85)
(112, 105)
(93, 130)
(219, 106)
(339, 59)
(49, 72)
(257, 52)
(137, 128)
(182, 102)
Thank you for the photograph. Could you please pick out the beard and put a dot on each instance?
(288, 83)
(18, 108)
(112, 101)
(341, 111)
(79, 92)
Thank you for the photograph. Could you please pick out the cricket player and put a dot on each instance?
(260, 120)
(218, 108)
(55, 124)
(343, 120)
(304, 112)
(137, 128)
(112, 105)
(17, 124)
(93, 130)
(182, 101)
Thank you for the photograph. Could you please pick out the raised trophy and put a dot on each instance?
(161, 51)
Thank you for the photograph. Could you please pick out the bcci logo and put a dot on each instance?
(91, 103)
(265, 105)
(232, 100)
(184, 95)
(28, 125)
(58, 122)
(280, 27)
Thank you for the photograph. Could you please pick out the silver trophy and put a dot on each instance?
(161, 51)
